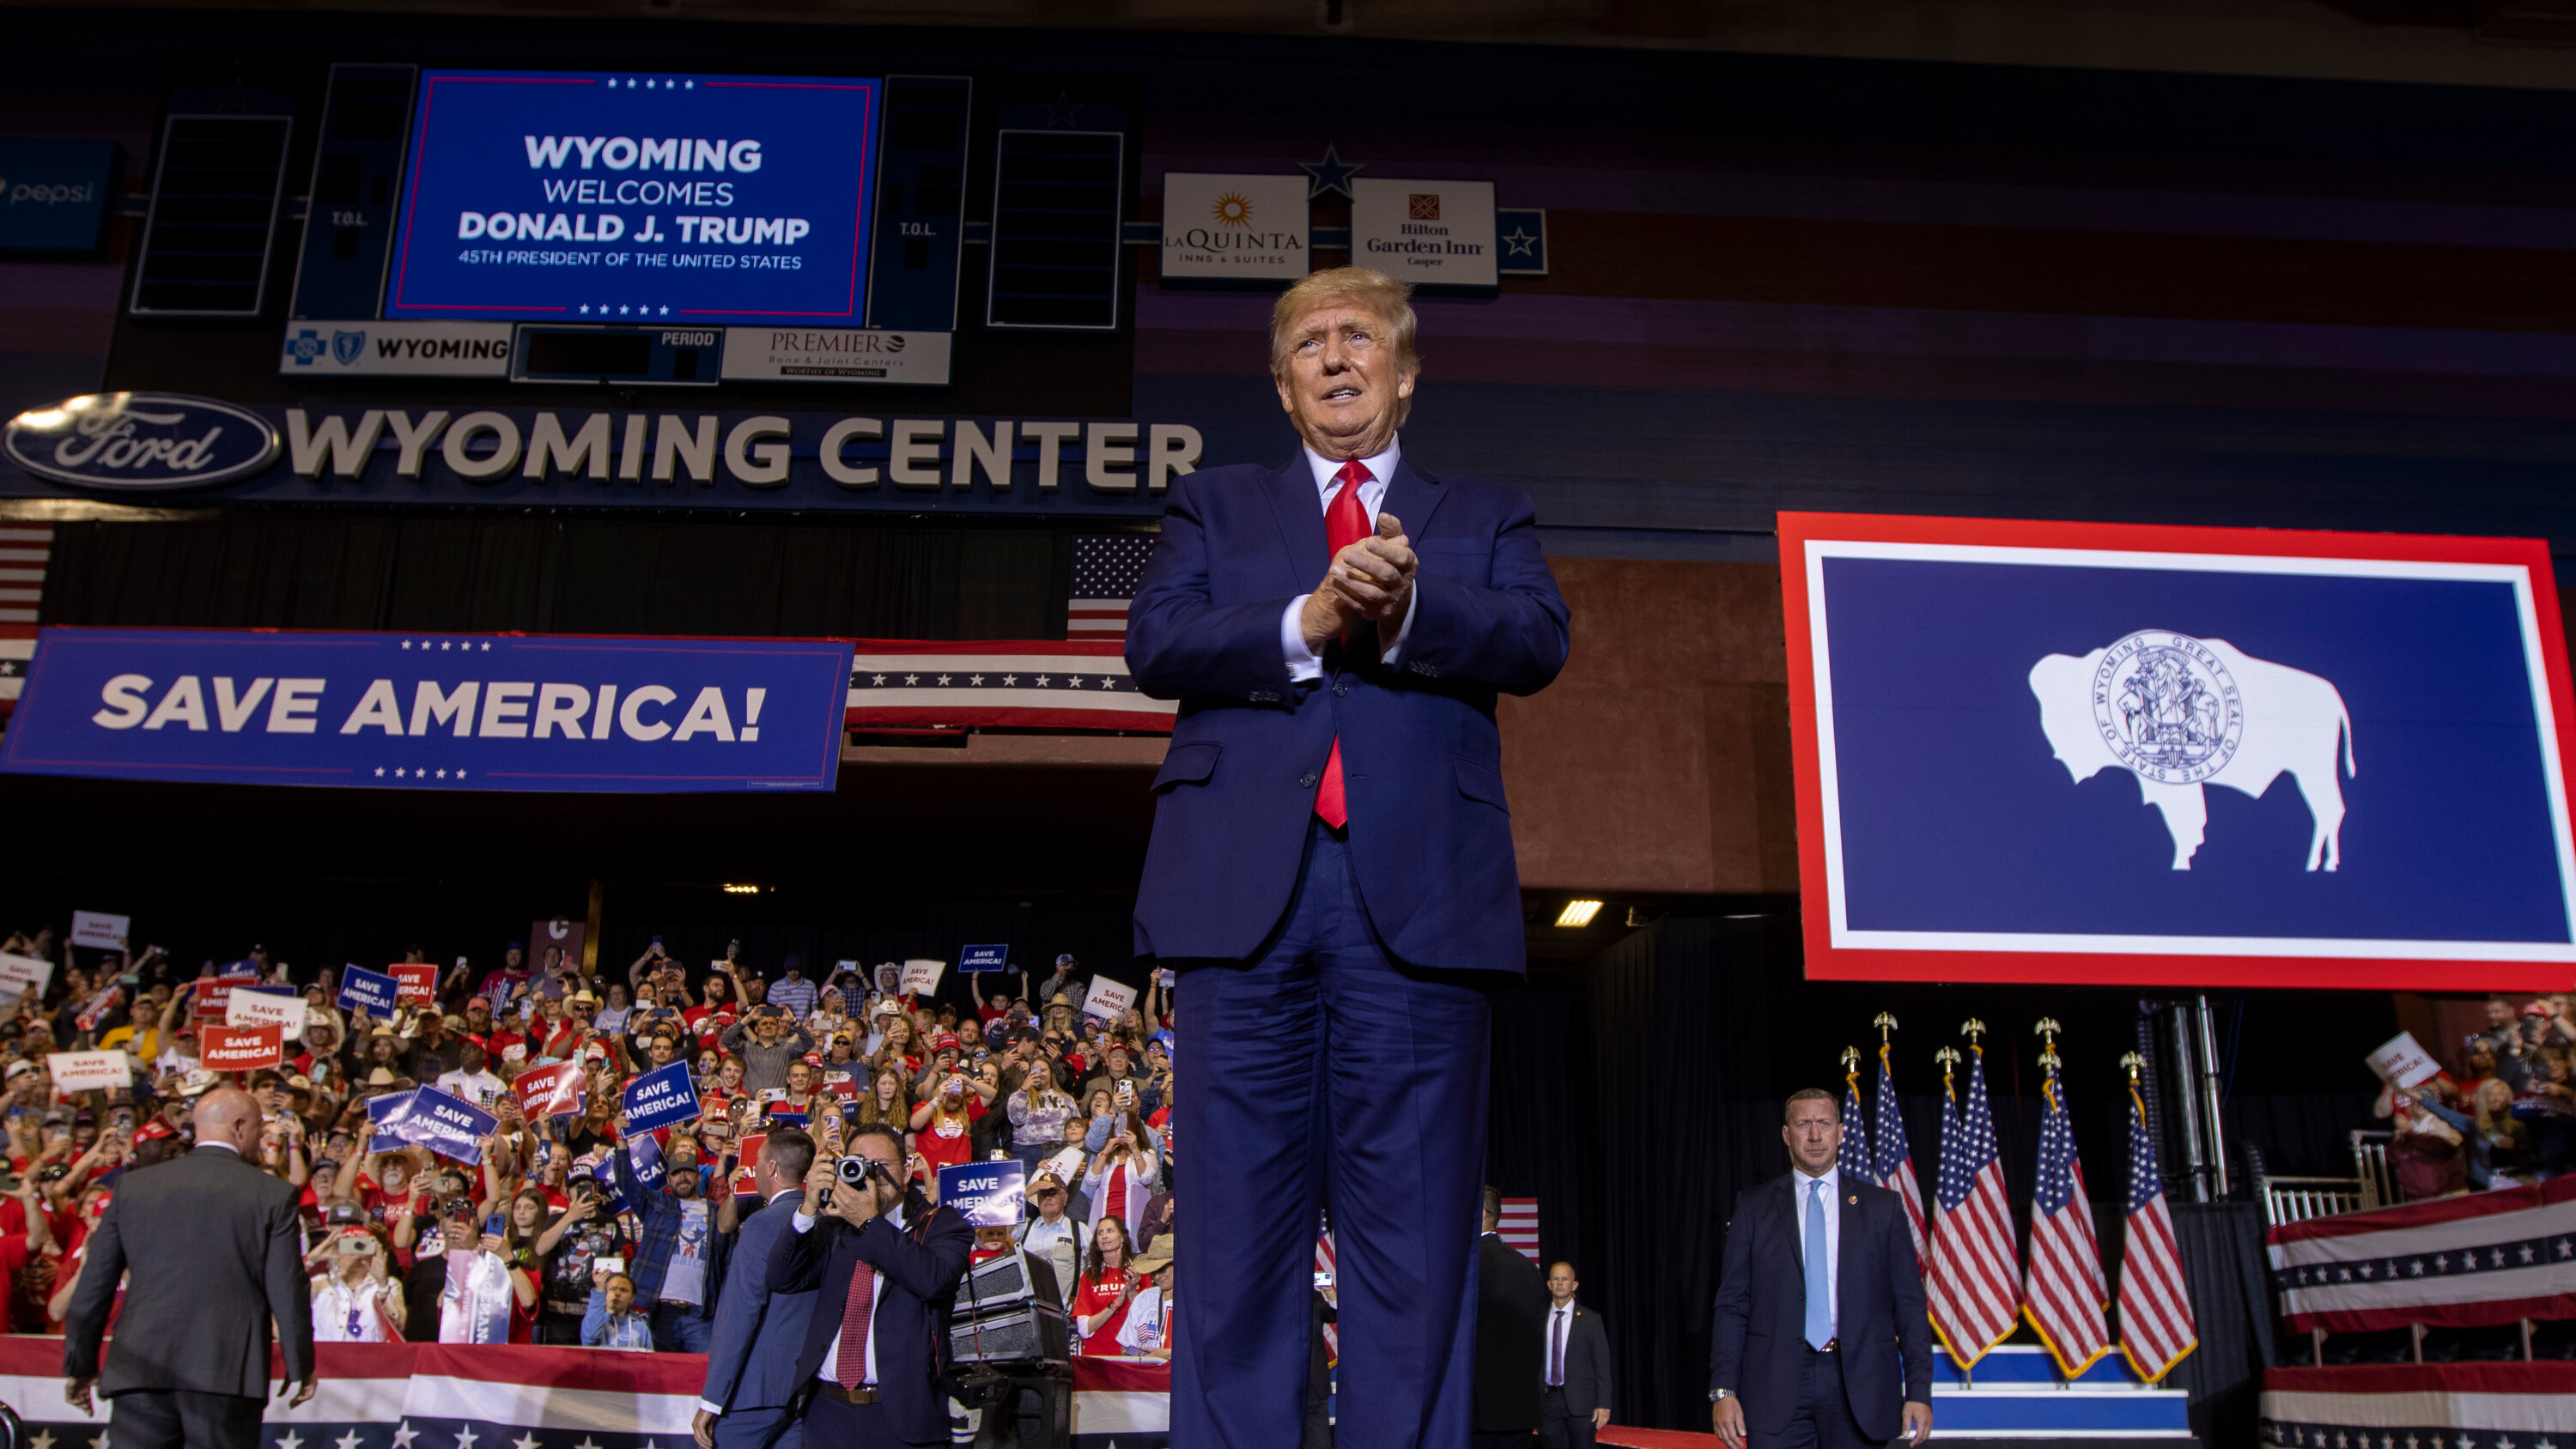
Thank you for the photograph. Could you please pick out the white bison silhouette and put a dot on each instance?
(2180, 713)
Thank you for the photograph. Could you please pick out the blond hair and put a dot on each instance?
(1363, 287)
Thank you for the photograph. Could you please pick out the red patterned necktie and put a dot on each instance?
(1346, 522)
(852, 1366)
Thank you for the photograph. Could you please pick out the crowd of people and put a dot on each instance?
(564, 1229)
(2504, 1115)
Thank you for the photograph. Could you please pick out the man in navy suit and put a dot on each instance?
(1331, 873)
(751, 1364)
(1821, 1340)
(884, 1267)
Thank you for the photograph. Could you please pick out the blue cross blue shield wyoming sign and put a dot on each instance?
(2178, 756)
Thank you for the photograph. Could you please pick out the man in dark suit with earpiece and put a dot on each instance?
(1821, 1341)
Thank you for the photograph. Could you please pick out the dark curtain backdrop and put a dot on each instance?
(699, 574)
(2223, 1262)
(1638, 1110)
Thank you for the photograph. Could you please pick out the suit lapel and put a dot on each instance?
(1787, 1198)
(1412, 496)
(1850, 1233)
(1301, 519)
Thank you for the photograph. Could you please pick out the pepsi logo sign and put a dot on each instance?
(141, 441)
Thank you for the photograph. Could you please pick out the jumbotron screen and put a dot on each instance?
(582, 197)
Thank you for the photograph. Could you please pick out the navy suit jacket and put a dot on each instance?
(918, 1269)
(751, 1364)
(1885, 1338)
(1422, 761)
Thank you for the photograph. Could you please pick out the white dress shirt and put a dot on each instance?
(830, 1371)
(1304, 663)
(1833, 1181)
(1560, 1330)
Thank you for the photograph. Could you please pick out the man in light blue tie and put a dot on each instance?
(1821, 1340)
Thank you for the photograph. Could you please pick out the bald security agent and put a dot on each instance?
(1820, 1340)
(215, 1249)
(1331, 874)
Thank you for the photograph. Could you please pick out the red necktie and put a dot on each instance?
(851, 1368)
(1346, 522)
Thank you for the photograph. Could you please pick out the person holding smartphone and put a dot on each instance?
(610, 1320)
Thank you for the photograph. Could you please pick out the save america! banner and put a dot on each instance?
(432, 711)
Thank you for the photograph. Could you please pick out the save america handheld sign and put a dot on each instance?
(2178, 756)
(432, 712)
(573, 196)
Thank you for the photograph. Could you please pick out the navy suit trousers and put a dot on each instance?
(1824, 1418)
(1323, 1072)
(777, 1428)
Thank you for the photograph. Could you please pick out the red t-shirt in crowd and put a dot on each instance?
(941, 1150)
(1094, 1297)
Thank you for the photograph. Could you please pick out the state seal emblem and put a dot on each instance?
(2168, 707)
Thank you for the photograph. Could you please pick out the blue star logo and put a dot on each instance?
(1330, 176)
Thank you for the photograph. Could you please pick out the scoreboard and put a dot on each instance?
(632, 227)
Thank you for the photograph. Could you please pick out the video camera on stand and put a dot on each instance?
(1013, 1345)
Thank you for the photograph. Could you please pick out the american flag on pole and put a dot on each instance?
(26, 550)
(1332, 1295)
(1107, 567)
(1519, 1227)
(1892, 1166)
(1027, 683)
(1853, 1157)
(1970, 1287)
(2156, 1328)
(2062, 1291)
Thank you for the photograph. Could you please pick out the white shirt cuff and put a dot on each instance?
(1412, 602)
(715, 1409)
(802, 1222)
(1303, 663)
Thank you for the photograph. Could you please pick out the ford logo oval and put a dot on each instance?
(141, 441)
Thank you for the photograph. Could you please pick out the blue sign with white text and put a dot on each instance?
(447, 1125)
(671, 200)
(446, 712)
(989, 1194)
(54, 193)
(977, 960)
(661, 1098)
(368, 993)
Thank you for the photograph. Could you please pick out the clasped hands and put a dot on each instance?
(1371, 579)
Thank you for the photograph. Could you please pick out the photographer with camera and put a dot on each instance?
(885, 1265)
